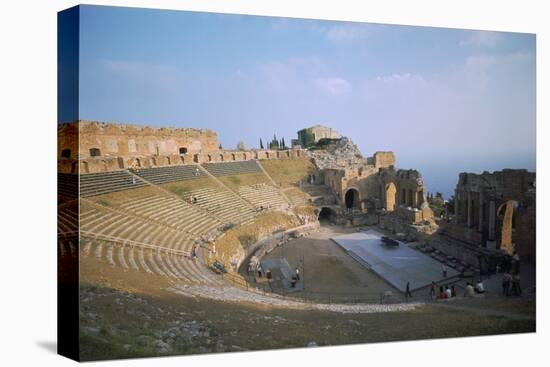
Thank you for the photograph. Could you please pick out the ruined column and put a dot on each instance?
(456, 218)
(480, 216)
(492, 218)
(469, 209)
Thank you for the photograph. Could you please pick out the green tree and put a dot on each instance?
(309, 139)
(437, 203)
(274, 143)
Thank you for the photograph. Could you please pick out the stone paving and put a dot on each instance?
(234, 294)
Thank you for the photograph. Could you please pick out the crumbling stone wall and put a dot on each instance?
(499, 207)
(384, 159)
(109, 139)
(117, 146)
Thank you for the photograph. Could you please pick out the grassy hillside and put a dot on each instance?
(288, 172)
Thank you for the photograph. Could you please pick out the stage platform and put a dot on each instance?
(397, 265)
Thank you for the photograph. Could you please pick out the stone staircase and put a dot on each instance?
(232, 168)
(162, 175)
(92, 184)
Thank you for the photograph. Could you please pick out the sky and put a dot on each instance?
(444, 101)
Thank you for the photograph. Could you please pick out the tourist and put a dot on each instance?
(441, 293)
(297, 273)
(506, 283)
(432, 291)
(448, 293)
(194, 252)
(408, 290)
(453, 291)
(293, 282)
(515, 263)
(444, 270)
(259, 271)
(516, 286)
(469, 290)
(479, 289)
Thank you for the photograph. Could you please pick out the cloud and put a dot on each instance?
(399, 78)
(159, 75)
(291, 74)
(347, 32)
(335, 86)
(481, 39)
(480, 61)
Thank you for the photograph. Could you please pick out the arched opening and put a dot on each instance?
(221, 157)
(95, 152)
(244, 156)
(233, 156)
(183, 150)
(74, 167)
(297, 153)
(326, 215)
(196, 158)
(137, 162)
(506, 213)
(168, 161)
(352, 199)
(66, 153)
(404, 196)
(410, 198)
(267, 155)
(209, 158)
(288, 153)
(391, 190)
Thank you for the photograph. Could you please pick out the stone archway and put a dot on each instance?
(326, 214)
(506, 213)
(391, 192)
(352, 199)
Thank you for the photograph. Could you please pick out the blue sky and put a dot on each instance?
(444, 100)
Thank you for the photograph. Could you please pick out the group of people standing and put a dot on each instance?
(511, 281)
(444, 292)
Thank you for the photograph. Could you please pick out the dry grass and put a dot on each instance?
(181, 188)
(114, 198)
(245, 179)
(288, 172)
(125, 306)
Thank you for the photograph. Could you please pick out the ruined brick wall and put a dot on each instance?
(500, 206)
(132, 140)
(124, 146)
(384, 159)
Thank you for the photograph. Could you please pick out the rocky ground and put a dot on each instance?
(342, 153)
(128, 314)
